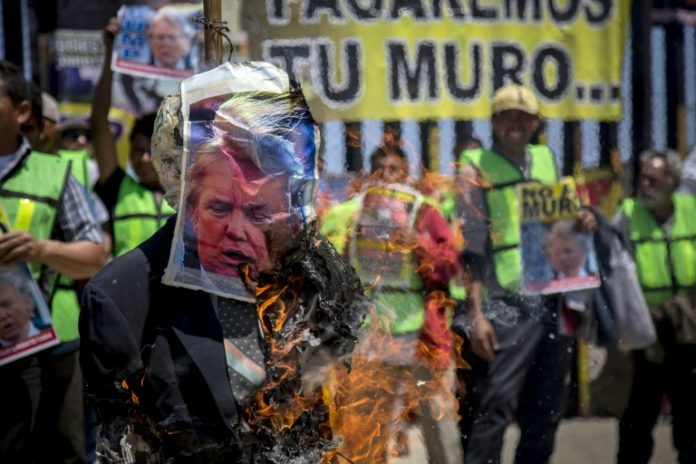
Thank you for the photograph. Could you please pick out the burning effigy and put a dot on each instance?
(211, 342)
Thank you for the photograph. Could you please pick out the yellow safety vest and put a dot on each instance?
(65, 306)
(500, 178)
(399, 311)
(666, 264)
(137, 215)
(30, 198)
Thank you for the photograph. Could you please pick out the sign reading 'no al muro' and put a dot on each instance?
(423, 59)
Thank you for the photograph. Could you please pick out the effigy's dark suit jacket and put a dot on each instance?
(154, 361)
(157, 351)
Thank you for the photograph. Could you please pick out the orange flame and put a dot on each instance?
(128, 389)
(275, 304)
(364, 398)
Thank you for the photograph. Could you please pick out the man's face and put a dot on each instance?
(15, 311)
(238, 216)
(12, 116)
(654, 185)
(141, 160)
(76, 139)
(32, 131)
(390, 169)
(168, 43)
(514, 128)
(566, 256)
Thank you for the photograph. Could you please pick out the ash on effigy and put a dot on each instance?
(309, 310)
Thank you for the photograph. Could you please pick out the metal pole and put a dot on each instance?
(212, 10)
(26, 41)
(641, 82)
(2, 33)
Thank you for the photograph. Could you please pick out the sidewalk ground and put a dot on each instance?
(579, 441)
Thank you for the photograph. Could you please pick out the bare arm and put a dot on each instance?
(78, 260)
(103, 141)
(484, 343)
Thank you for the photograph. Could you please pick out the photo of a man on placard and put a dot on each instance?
(159, 43)
(16, 309)
(169, 43)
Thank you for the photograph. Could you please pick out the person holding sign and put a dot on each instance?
(135, 200)
(659, 225)
(53, 231)
(516, 334)
(403, 250)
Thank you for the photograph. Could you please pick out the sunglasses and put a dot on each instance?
(74, 135)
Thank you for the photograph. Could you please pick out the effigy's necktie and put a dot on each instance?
(245, 360)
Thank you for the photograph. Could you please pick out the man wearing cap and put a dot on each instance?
(516, 334)
(51, 121)
(41, 129)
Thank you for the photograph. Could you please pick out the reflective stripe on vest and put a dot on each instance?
(31, 195)
(500, 178)
(137, 215)
(665, 265)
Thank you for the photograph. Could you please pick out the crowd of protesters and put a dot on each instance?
(85, 208)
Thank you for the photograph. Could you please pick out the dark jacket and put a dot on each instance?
(153, 356)
(155, 351)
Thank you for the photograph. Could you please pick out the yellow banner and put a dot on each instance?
(429, 59)
(548, 202)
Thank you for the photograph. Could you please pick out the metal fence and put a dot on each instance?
(659, 100)
(659, 97)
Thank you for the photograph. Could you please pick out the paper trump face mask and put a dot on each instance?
(247, 178)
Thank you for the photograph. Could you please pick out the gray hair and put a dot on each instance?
(18, 283)
(168, 14)
(672, 161)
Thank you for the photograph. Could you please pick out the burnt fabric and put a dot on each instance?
(154, 361)
(322, 313)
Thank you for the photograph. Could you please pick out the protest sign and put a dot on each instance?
(443, 59)
(249, 179)
(163, 43)
(555, 256)
(73, 62)
(377, 251)
(25, 321)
